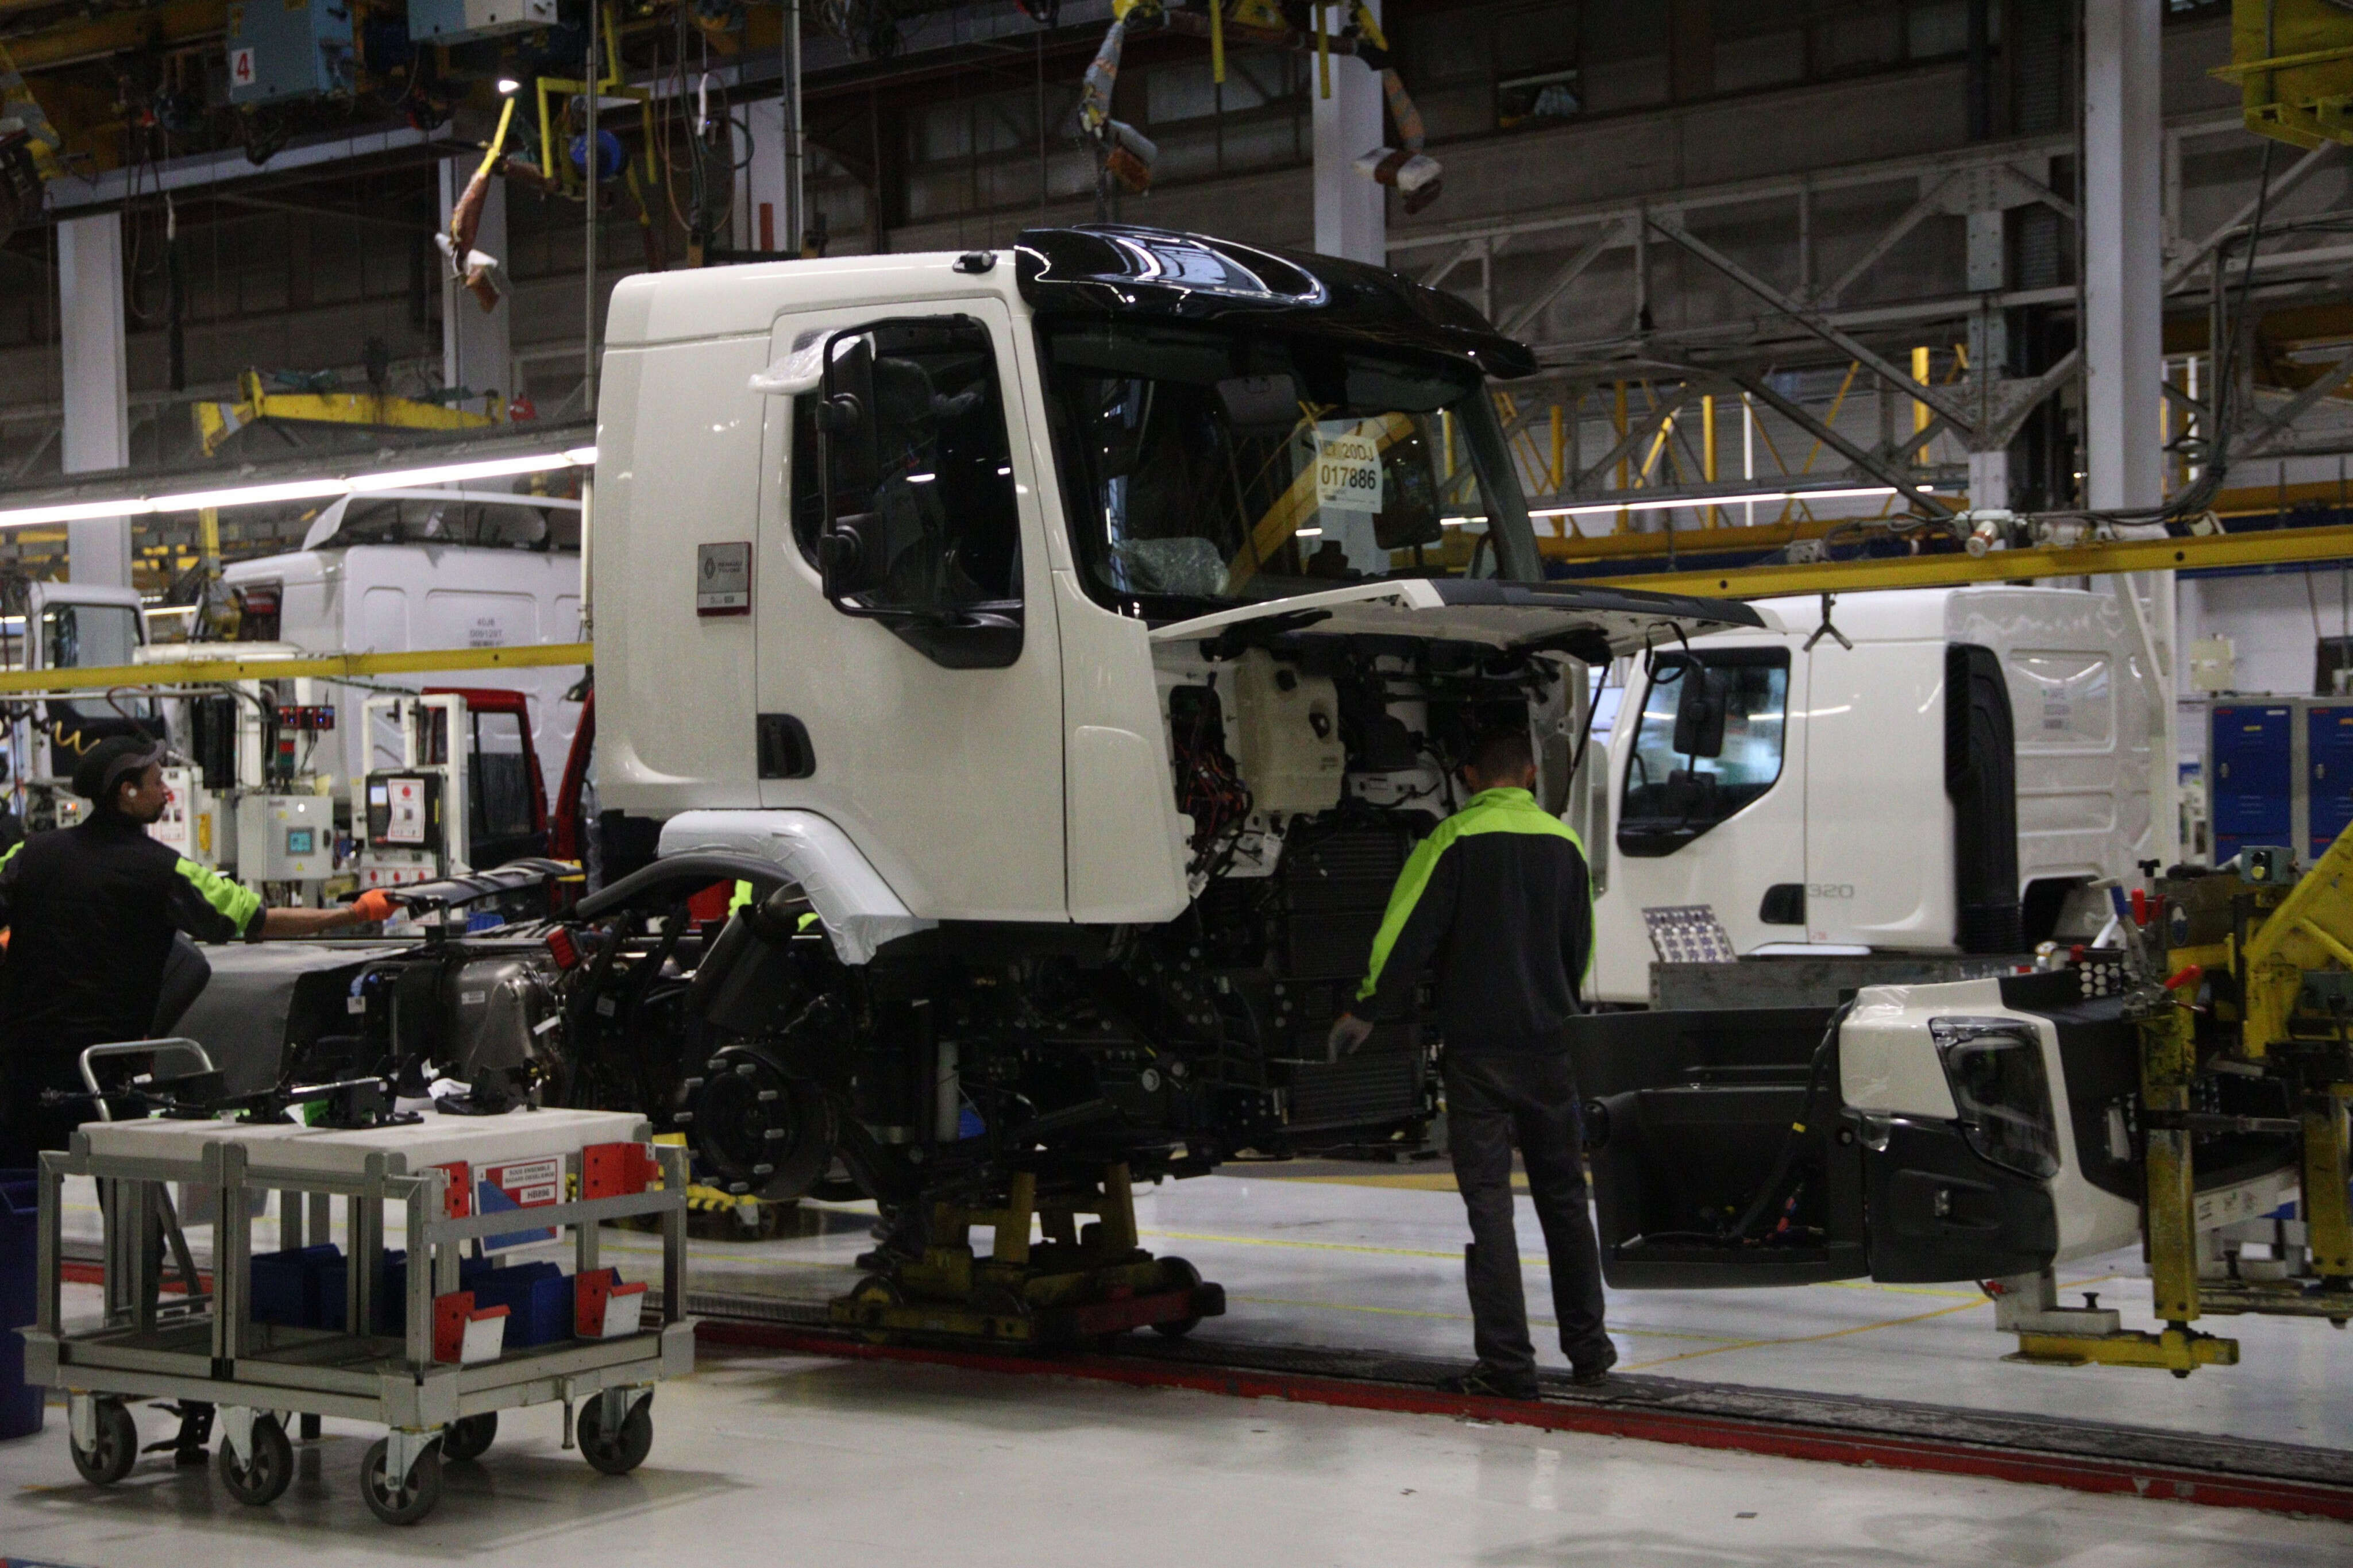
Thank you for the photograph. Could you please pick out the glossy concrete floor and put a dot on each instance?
(1373, 1260)
(1370, 1256)
(773, 1460)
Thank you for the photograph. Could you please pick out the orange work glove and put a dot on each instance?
(374, 905)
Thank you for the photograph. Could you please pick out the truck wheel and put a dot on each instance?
(265, 1472)
(470, 1437)
(115, 1451)
(615, 1453)
(412, 1497)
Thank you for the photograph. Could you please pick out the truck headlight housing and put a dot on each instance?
(1994, 1067)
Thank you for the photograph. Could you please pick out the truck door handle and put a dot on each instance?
(784, 748)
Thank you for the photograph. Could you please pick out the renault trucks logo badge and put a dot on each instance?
(722, 579)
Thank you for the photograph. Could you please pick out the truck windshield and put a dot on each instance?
(1204, 468)
(1710, 743)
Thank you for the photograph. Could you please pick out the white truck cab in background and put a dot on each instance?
(395, 570)
(1947, 772)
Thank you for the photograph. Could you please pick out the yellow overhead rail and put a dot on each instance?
(2274, 547)
(324, 667)
(217, 422)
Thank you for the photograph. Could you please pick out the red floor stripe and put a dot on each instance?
(2077, 1473)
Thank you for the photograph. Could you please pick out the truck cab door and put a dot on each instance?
(1707, 810)
(86, 629)
(909, 685)
(506, 798)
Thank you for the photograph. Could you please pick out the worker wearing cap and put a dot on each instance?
(1499, 900)
(90, 912)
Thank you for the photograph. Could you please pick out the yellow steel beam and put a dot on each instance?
(2272, 548)
(324, 667)
(178, 22)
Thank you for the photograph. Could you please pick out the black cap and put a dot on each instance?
(114, 760)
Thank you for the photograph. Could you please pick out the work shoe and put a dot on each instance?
(1492, 1382)
(1592, 1374)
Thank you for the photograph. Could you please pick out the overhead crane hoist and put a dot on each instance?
(1305, 27)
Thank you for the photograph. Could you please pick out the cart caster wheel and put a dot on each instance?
(1177, 1328)
(469, 1437)
(614, 1453)
(408, 1499)
(258, 1481)
(108, 1458)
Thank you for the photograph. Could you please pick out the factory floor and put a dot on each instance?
(766, 1459)
(1371, 1258)
(901, 1458)
(1368, 1257)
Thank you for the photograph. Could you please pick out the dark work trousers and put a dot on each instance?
(1491, 1100)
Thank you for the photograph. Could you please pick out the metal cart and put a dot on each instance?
(206, 1347)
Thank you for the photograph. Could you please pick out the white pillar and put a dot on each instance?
(2123, 331)
(2123, 320)
(761, 217)
(477, 347)
(1990, 481)
(1351, 211)
(96, 435)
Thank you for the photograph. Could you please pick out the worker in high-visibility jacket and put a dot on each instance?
(1499, 900)
(91, 911)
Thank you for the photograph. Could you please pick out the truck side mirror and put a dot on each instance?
(845, 419)
(1700, 711)
(850, 555)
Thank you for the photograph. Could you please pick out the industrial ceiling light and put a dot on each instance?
(298, 490)
(508, 87)
(1866, 492)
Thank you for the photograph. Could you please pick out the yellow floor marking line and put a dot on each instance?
(1813, 1339)
(1463, 1317)
(1422, 1182)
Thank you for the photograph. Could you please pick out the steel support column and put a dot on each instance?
(2123, 261)
(477, 349)
(1351, 211)
(763, 206)
(96, 431)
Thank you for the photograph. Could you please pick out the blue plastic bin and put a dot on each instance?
(538, 1300)
(21, 1407)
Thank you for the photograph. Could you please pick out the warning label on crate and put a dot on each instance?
(516, 1186)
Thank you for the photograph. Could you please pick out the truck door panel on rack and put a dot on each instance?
(2252, 776)
(1688, 1116)
(2329, 751)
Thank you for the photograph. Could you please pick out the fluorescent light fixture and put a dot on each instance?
(1867, 493)
(1308, 532)
(298, 489)
(921, 478)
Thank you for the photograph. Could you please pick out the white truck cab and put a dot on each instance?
(1945, 771)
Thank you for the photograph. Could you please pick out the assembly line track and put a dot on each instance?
(2082, 1455)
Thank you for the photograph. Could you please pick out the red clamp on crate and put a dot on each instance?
(604, 1308)
(458, 1197)
(616, 1170)
(465, 1333)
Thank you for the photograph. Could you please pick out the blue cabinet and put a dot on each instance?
(2329, 774)
(279, 49)
(2252, 768)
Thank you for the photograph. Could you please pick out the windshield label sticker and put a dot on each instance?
(1348, 466)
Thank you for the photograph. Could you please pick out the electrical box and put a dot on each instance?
(290, 48)
(457, 21)
(193, 821)
(2279, 774)
(285, 838)
(1289, 747)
